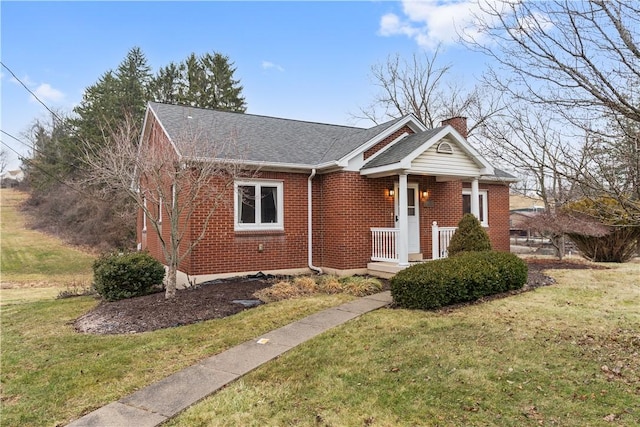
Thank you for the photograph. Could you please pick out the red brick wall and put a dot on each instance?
(150, 240)
(350, 205)
(371, 151)
(498, 212)
(225, 250)
(498, 216)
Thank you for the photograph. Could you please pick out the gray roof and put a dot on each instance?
(402, 148)
(260, 138)
(503, 174)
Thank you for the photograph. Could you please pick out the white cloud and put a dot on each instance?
(268, 65)
(46, 93)
(432, 22)
(26, 80)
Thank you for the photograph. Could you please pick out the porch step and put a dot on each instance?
(384, 270)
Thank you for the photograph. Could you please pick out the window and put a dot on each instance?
(258, 205)
(466, 205)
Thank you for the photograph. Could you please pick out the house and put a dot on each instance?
(12, 178)
(336, 199)
(521, 210)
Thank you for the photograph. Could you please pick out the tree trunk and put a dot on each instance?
(170, 291)
(558, 243)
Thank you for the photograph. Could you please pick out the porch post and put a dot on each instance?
(475, 198)
(403, 222)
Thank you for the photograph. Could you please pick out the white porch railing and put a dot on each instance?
(440, 238)
(384, 244)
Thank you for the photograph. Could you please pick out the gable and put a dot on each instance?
(445, 158)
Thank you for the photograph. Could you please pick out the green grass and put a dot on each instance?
(567, 355)
(52, 375)
(33, 259)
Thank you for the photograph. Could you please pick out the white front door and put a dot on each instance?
(413, 215)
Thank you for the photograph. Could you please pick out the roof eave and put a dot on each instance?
(384, 170)
(494, 179)
(409, 118)
(272, 166)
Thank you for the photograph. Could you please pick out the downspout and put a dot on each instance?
(310, 223)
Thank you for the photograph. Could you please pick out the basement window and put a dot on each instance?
(258, 205)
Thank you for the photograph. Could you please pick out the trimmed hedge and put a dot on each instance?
(466, 277)
(126, 275)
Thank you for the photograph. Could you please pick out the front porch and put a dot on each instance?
(385, 259)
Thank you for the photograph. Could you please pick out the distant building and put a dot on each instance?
(11, 179)
(521, 210)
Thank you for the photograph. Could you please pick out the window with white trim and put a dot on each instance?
(258, 205)
(484, 211)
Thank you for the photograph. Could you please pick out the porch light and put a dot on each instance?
(425, 195)
(391, 192)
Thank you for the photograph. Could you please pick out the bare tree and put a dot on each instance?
(580, 62)
(3, 160)
(572, 56)
(171, 182)
(420, 85)
(529, 142)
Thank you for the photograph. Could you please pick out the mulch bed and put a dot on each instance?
(213, 300)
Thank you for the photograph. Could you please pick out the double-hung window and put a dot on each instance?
(466, 205)
(258, 205)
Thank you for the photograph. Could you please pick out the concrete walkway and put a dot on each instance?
(155, 404)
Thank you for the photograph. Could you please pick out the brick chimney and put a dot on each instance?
(458, 123)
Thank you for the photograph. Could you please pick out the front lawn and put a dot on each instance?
(566, 355)
(52, 375)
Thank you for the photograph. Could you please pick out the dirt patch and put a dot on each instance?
(213, 300)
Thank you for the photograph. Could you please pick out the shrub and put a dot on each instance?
(280, 291)
(613, 235)
(466, 277)
(329, 284)
(126, 275)
(360, 286)
(305, 284)
(469, 237)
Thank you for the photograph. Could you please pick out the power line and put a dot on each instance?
(31, 92)
(10, 147)
(32, 147)
(51, 175)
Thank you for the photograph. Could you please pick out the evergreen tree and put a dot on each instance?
(117, 96)
(168, 84)
(55, 156)
(205, 82)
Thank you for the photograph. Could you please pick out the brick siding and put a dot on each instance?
(380, 145)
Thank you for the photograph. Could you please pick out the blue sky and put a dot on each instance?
(295, 59)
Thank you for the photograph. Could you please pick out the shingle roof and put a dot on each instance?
(402, 148)
(262, 138)
(500, 175)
